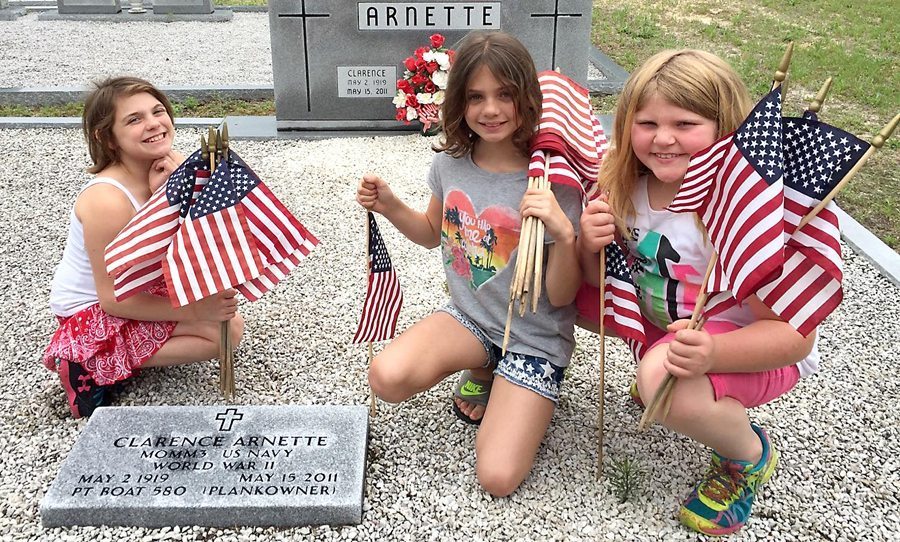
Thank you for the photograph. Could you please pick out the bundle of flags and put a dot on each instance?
(569, 136)
(206, 232)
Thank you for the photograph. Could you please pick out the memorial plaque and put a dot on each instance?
(213, 466)
(182, 7)
(316, 42)
(88, 7)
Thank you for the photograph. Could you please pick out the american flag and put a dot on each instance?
(206, 234)
(816, 156)
(736, 188)
(383, 294)
(622, 313)
(568, 135)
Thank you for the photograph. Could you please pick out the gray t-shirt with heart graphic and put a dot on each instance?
(479, 244)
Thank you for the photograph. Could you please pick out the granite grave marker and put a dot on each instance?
(336, 64)
(88, 7)
(213, 466)
(182, 7)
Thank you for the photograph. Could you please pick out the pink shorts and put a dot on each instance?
(749, 389)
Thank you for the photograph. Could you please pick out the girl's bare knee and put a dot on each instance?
(499, 479)
(386, 381)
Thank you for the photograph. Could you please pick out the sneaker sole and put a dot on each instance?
(704, 526)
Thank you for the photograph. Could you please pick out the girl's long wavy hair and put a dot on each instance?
(511, 64)
(100, 115)
(694, 80)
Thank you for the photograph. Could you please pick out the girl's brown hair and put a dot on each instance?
(99, 116)
(511, 64)
(694, 80)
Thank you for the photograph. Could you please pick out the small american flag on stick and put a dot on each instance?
(808, 288)
(383, 294)
(736, 188)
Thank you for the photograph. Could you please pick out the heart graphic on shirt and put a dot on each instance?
(477, 244)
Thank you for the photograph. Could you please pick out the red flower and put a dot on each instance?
(410, 63)
(418, 79)
(420, 64)
(411, 101)
(431, 67)
(401, 114)
(437, 40)
(420, 52)
(430, 87)
(404, 86)
(451, 54)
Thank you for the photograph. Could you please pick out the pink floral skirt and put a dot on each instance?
(108, 347)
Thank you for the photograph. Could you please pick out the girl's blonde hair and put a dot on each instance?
(100, 112)
(511, 64)
(694, 80)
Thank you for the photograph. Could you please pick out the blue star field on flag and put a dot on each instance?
(759, 137)
(817, 155)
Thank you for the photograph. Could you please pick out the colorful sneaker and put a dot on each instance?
(721, 502)
(635, 394)
(82, 394)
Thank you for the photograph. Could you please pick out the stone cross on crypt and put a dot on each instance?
(303, 15)
(555, 15)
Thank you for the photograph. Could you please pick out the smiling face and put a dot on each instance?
(490, 108)
(664, 136)
(142, 129)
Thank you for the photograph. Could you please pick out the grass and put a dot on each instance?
(853, 42)
(626, 478)
(189, 107)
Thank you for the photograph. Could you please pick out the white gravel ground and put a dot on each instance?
(839, 431)
(37, 53)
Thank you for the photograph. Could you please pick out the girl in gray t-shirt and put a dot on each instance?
(480, 196)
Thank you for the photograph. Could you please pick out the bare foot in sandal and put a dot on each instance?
(471, 394)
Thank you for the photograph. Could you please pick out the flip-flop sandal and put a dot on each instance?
(471, 390)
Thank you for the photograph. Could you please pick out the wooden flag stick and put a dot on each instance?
(816, 105)
(600, 404)
(222, 148)
(371, 355)
(877, 143)
(516, 287)
(543, 184)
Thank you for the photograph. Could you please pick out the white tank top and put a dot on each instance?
(72, 288)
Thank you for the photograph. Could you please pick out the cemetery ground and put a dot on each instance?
(838, 431)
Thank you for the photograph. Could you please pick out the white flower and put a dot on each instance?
(428, 56)
(400, 99)
(424, 98)
(440, 79)
(443, 60)
(411, 114)
(438, 97)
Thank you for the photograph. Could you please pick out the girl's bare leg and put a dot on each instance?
(195, 341)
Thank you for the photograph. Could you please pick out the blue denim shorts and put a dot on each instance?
(530, 372)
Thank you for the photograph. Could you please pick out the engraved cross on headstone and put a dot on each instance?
(228, 418)
(556, 15)
(303, 15)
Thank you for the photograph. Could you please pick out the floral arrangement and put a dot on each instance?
(420, 92)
